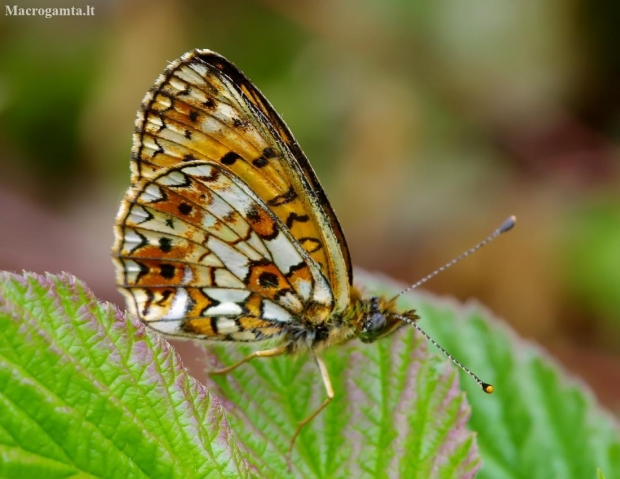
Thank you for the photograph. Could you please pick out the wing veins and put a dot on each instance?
(215, 118)
(242, 101)
(175, 216)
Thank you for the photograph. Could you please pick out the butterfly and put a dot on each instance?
(226, 233)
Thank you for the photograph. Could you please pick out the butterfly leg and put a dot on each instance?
(330, 395)
(267, 353)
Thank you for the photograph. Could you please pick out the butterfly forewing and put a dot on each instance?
(203, 109)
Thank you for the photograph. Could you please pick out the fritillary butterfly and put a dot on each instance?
(226, 234)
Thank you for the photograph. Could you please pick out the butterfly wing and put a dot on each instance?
(202, 108)
(199, 254)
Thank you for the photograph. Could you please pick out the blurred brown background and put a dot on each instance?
(428, 122)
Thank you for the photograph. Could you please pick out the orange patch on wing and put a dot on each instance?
(179, 206)
(253, 305)
(267, 280)
(179, 251)
(162, 297)
(200, 302)
(300, 276)
(155, 272)
(261, 222)
(161, 272)
(201, 326)
(248, 322)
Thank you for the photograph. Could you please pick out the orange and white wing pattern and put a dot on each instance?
(225, 232)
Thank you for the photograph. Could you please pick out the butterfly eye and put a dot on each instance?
(374, 323)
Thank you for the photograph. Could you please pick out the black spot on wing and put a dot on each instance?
(260, 162)
(268, 280)
(295, 217)
(165, 244)
(269, 153)
(253, 215)
(166, 271)
(229, 158)
(284, 198)
(185, 208)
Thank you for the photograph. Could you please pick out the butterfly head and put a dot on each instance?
(379, 319)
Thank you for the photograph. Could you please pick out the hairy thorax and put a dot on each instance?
(367, 318)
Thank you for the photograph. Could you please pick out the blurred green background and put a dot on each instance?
(428, 122)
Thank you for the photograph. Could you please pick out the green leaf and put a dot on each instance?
(599, 474)
(397, 411)
(86, 392)
(539, 423)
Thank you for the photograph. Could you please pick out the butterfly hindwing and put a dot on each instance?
(199, 254)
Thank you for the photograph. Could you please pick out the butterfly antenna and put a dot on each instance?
(505, 226)
(486, 387)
